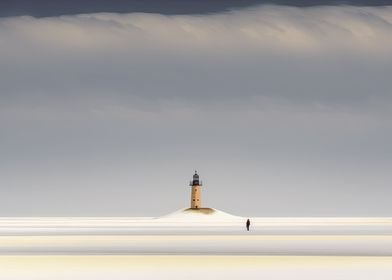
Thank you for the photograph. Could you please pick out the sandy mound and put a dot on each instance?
(200, 214)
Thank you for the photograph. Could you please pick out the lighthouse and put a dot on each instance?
(196, 191)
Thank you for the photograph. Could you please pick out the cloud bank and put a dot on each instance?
(293, 104)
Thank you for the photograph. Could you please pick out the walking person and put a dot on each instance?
(247, 224)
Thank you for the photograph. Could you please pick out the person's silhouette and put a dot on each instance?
(247, 224)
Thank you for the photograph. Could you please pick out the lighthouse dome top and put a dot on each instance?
(196, 175)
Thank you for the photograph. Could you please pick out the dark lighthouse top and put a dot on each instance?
(196, 181)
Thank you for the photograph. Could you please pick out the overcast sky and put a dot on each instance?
(283, 111)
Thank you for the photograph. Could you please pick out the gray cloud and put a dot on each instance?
(48, 8)
(286, 108)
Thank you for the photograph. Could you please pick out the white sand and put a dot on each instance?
(195, 233)
(185, 245)
(194, 267)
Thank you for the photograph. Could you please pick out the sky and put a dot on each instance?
(46, 8)
(107, 110)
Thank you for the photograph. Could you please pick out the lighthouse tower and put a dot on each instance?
(196, 192)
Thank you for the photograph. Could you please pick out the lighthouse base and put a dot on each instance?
(205, 211)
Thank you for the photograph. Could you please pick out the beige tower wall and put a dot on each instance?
(196, 197)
